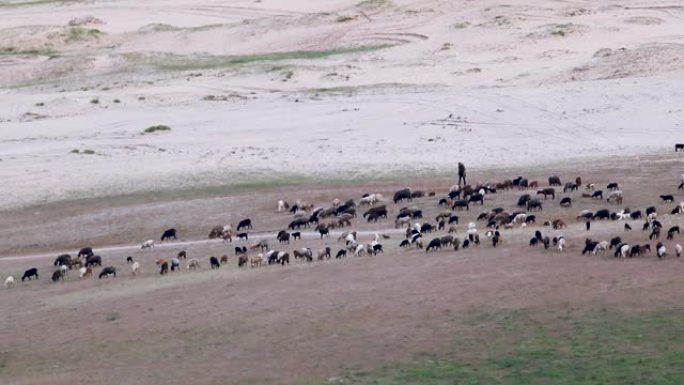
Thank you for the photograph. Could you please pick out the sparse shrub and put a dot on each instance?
(79, 34)
(95, 101)
(344, 19)
(160, 127)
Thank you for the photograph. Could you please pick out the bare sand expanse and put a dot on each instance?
(273, 90)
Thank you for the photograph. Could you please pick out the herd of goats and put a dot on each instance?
(459, 198)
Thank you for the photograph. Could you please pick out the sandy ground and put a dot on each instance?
(314, 100)
(305, 321)
(273, 90)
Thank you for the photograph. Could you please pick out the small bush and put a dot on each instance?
(153, 129)
(344, 19)
(84, 152)
(95, 101)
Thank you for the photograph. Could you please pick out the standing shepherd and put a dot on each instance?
(588, 225)
(461, 173)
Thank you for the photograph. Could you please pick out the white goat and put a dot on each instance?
(561, 244)
(135, 268)
(624, 251)
(678, 250)
(193, 264)
(9, 282)
(601, 247)
(147, 244)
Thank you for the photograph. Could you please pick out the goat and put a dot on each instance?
(106, 272)
(168, 234)
(194, 264)
(85, 272)
(214, 262)
(245, 224)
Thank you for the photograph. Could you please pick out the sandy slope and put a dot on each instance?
(330, 89)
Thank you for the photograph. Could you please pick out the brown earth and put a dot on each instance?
(307, 320)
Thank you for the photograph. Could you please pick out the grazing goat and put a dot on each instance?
(672, 231)
(85, 272)
(147, 244)
(678, 250)
(57, 275)
(554, 181)
(547, 191)
(9, 282)
(256, 261)
(615, 197)
(214, 262)
(283, 237)
(64, 259)
(106, 272)
(85, 252)
(245, 224)
(135, 268)
(566, 202)
(558, 224)
(164, 266)
(667, 198)
(93, 260)
(534, 204)
(168, 234)
(434, 244)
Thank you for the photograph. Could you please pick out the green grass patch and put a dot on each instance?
(84, 152)
(185, 63)
(77, 34)
(10, 4)
(373, 4)
(159, 27)
(518, 348)
(160, 127)
(13, 51)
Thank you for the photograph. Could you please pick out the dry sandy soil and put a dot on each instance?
(344, 89)
(305, 321)
(315, 100)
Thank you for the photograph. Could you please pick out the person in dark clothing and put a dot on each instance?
(461, 173)
(588, 225)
